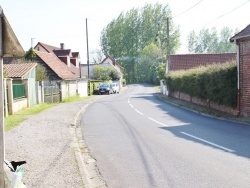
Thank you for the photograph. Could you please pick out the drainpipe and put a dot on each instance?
(238, 76)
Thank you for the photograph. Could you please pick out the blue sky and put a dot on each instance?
(57, 21)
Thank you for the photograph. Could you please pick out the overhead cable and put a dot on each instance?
(188, 9)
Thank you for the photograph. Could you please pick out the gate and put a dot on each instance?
(52, 91)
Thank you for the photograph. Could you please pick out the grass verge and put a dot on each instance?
(14, 120)
(75, 98)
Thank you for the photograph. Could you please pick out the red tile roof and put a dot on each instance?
(187, 61)
(76, 71)
(18, 70)
(56, 65)
(47, 47)
(245, 33)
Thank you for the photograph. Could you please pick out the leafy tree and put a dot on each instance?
(96, 56)
(100, 73)
(113, 74)
(105, 73)
(30, 54)
(126, 37)
(208, 41)
(161, 69)
(150, 55)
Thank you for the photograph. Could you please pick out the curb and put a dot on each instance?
(201, 113)
(89, 171)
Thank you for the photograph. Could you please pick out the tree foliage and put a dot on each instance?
(41, 73)
(30, 55)
(209, 41)
(135, 33)
(104, 73)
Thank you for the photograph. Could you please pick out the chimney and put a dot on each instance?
(62, 46)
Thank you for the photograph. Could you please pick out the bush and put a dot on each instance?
(216, 82)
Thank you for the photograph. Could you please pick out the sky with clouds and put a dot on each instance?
(63, 21)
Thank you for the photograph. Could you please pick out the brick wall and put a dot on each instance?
(188, 61)
(203, 102)
(244, 81)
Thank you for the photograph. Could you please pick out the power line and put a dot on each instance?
(188, 9)
(228, 12)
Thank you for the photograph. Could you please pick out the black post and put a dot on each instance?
(2, 144)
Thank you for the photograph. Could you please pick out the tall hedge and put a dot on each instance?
(216, 82)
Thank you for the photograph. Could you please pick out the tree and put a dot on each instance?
(105, 73)
(161, 69)
(100, 73)
(30, 55)
(96, 56)
(150, 56)
(41, 73)
(208, 41)
(126, 37)
(113, 74)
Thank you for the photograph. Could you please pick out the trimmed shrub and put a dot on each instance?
(216, 82)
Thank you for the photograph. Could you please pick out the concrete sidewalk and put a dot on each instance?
(51, 143)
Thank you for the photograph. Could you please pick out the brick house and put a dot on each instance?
(242, 40)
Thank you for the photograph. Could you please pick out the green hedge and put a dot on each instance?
(93, 84)
(216, 82)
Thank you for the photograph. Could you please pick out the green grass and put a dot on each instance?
(14, 120)
(75, 98)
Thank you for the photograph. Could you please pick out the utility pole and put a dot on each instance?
(32, 42)
(2, 145)
(168, 47)
(87, 40)
(87, 46)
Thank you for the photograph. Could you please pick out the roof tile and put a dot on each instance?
(245, 33)
(18, 70)
(56, 65)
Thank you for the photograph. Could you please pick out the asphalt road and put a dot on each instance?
(140, 141)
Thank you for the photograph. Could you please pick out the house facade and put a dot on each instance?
(242, 40)
(70, 83)
(19, 74)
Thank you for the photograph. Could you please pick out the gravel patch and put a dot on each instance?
(44, 142)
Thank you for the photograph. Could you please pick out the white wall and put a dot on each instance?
(72, 88)
(83, 88)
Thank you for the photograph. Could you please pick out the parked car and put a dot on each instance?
(115, 87)
(104, 89)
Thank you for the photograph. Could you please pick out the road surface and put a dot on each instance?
(140, 141)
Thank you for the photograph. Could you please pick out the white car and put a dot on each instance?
(115, 88)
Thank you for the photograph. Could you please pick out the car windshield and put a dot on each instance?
(104, 85)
